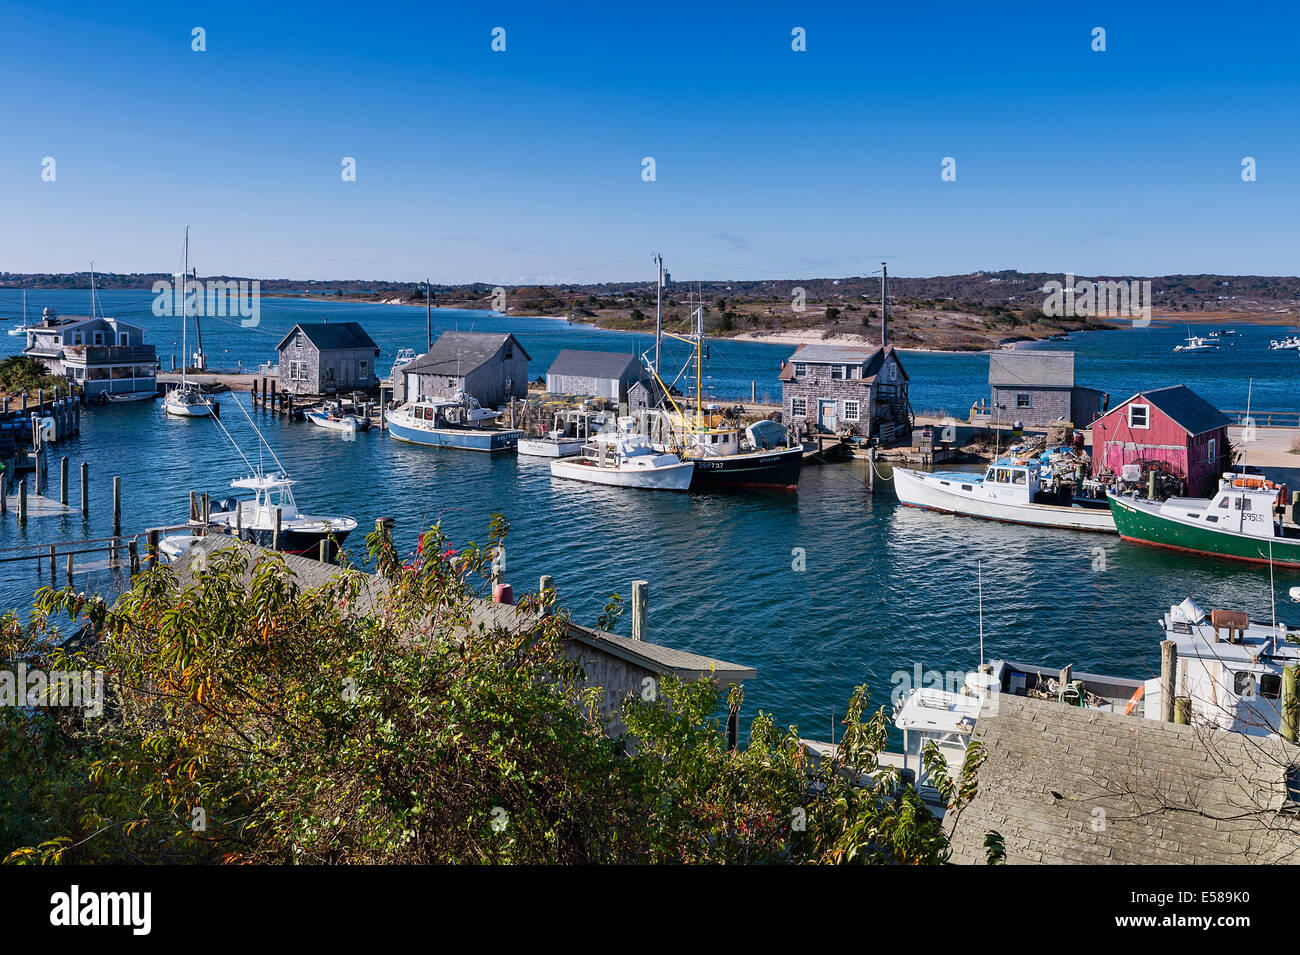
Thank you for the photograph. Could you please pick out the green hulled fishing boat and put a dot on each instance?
(1241, 522)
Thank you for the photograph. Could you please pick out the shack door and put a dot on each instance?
(826, 414)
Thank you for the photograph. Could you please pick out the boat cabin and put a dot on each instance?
(270, 492)
(1016, 483)
(1229, 667)
(1245, 504)
(442, 414)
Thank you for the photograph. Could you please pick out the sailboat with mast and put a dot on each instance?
(17, 330)
(761, 457)
(187, 399)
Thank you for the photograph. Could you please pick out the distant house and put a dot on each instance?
(829, 386)
(602, 374)
(327, 358)
(1037, 388)
(1070, 785)
(1171, 428)
(489, 366)
(104, 355)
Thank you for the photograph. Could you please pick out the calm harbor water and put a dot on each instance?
(882, 587)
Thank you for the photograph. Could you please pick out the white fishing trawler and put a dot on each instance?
(1011, 492)
(624, 458)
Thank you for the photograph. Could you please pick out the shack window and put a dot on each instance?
(1139, 416)
(1210, 456)
(838, 373)
(852, 410)
(800, 369)
(510, 349)
(799, 407)
(1024, 401)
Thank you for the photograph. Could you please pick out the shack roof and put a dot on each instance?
(1032, 369)
(458, 353)
(872, 359)
(1183, 406)
(328, 336)
(1071, 785)
(593, 364)
(313, 575)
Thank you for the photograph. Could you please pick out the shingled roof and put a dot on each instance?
(458, 353)
(1032, 369)
(1188, 410)
(1070, 785)
(593, 364)
(327, 336)
(312, 575)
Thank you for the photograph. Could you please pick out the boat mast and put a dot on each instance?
(659, 307)
(198, 326)
(428, 318)
(1245, 435)
(185, 268)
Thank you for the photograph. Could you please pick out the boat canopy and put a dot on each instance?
(765, 435)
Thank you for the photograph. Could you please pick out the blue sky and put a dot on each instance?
(526, 165)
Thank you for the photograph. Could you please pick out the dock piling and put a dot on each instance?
(22, 503)
(63, 480)
(1168, 661)
(323, 551)
(1291, 703)
(85, 490)
(275, 539)
(69, 570)
(640, 608)
(152, 537)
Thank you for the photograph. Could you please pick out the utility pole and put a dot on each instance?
(884, 305)
(659, 307)
(428, 317)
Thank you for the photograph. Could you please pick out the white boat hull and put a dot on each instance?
(183, 409)
(672, 477)
(944, 492)
(350, 423)
(545, 448)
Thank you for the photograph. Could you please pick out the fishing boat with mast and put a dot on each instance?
(270, 518)
(625, 458)
(724, 457)
(187, 399)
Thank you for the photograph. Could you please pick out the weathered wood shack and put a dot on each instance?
(327, 358)
(835, 388)
(1038, 389)
(492, 367)
(601, 374)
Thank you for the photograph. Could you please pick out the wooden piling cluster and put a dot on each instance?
(270, 397)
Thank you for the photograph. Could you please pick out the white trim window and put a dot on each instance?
(798, 407)
(800, 369)
(852, 410)
(1139, 416)
(1211, 452)
(297, 371)
(839, 372)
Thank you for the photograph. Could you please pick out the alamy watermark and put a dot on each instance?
(81, 689)
(1086, 299)
(214, 298)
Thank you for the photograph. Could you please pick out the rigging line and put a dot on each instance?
(262, 438)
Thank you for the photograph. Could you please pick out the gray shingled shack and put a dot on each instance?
(1037, 388)
(492, 367)
(1068, 785)
(325, 358)
(602, 374)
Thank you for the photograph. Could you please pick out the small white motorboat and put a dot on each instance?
(333, 418)
(122, 397)
(623, 458)
(1197, 343)
(1291, 342)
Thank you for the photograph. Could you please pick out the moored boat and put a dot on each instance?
(571, 431)
(1240, 522)
(1014, 493)
(444, 423)
(333, 418)
(624, 458)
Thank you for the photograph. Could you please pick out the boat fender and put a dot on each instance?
(1133, 701)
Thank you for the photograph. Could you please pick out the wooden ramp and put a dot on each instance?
(38, 505)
